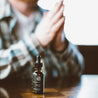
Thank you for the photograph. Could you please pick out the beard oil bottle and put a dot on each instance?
(38, 77)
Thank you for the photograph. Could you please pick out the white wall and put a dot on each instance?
(81, 26)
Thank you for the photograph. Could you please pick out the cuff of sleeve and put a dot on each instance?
(34, 46)
(66, 53)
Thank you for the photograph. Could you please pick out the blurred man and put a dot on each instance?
(24, 35)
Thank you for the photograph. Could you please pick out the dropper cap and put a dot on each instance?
(38, 61)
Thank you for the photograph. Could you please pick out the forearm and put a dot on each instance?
(70, 61)
(59, 48)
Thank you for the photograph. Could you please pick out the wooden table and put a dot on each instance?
(86, 88)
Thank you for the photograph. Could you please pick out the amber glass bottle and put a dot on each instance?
(38, 77)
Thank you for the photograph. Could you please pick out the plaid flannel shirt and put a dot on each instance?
(16, 56)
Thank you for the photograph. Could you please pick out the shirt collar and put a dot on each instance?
(5, 9)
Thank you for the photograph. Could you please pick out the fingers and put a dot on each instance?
(57, 16)
(58, 35)
(55, 9)
(57, 26)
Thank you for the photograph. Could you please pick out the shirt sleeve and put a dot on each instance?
(17, 56)
(69, 63)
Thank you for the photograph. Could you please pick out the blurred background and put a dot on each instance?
(81, 28)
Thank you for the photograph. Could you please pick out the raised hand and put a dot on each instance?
(50, 25)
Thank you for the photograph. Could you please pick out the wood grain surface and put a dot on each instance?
(87, 87)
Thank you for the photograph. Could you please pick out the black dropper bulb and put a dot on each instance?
(38, 61)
